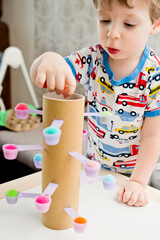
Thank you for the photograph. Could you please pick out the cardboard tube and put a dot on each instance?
(57, 165)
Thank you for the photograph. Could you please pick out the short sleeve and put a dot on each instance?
(153, 105)
(84, 63)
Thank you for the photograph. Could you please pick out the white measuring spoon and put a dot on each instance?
(44, 200)
(79, 223)
(12, 196)
(22, 111)
(10, 151)
(104, 116)
(108, 181)
(37, 159)
(52, 133)
(91, 167)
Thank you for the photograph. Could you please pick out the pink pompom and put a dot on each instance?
(22, 106)
(42, 199)
(92, 164)
(10, 147)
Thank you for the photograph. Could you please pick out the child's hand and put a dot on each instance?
(133, 194)
(52, 71)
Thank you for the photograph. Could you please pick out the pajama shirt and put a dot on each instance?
(115, 143)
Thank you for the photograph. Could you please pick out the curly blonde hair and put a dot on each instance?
(154, 6)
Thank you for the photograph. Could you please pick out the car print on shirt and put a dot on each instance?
(104, 86)
(102, 103)
(127, 129)
(109, 168)
(82, 61)
(103, 157)
(78, 60)
(126, 116)
(158, 107)
(92, 49)
(140, 82)
(151, 69)
(154, 92)
(121, 140)
(93, 106)
(125, 99)
(105, 150)
(100, 133)
(156, 76)
(91, 68)
(154, 55)
(108, 126)
(125, 164)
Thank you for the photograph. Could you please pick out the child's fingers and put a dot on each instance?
(40, 79)
(71, 85)
(127, 195)
(142, 200)
(120, 194)
(50, 82)
(60, 84)
(33, 69)
(145, 201)
(133, 199)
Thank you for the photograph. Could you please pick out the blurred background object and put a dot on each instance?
(4, 43)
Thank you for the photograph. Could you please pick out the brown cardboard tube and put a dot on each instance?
(57, 165)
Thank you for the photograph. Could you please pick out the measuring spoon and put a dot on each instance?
(79, 223)
(91, 167)
(22, 111)
(10, 151)
(44, 200)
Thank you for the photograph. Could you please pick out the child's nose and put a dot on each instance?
(114, 32)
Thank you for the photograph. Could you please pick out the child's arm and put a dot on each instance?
(52, 69)
(133, 193)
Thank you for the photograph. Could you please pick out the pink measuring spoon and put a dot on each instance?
(91, 167)
(22, 111)
(84, 135)
(10, 151)
(44, 200)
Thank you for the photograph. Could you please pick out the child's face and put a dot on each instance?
(123, 32)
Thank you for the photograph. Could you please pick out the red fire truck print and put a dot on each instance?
(140, 82)
(100, 133)
(125, 164)
(125, 99)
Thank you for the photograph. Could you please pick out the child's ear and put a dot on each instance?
(156, 28)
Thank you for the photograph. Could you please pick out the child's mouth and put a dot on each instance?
(113, 50)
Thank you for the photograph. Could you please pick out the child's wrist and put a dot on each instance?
(138, 181)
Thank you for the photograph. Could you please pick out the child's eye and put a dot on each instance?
(104, 21)
(129, 25)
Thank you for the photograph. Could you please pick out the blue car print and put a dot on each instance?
(126, 116)
(156, 77)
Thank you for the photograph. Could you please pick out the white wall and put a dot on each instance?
(19, 15)
(23, 15)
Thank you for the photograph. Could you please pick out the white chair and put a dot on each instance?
(13, 57)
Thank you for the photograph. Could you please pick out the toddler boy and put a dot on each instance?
(121, 75)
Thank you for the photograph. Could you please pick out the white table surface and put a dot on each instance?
(107, 218)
